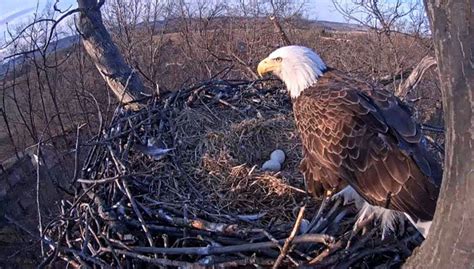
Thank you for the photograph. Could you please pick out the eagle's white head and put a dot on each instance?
(299, 67)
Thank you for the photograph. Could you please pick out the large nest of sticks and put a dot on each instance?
(179, 184)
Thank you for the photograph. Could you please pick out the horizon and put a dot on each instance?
(16, 12)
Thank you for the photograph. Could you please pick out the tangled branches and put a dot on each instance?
(177, 184)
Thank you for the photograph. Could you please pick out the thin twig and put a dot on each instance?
(289, 240)
(108, 179)
(38, 206)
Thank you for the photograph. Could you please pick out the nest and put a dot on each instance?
(178, 184)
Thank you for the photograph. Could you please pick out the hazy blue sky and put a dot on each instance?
(15, 11)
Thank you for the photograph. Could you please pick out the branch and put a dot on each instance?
(213, 250)
(388, 79)
(242, 62)
(289, 240)
(425, 64)
(125, 84)
(156, 261)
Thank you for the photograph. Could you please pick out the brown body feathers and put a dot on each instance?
(355, 133)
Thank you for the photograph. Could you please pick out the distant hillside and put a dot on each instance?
(171, 26)
(338, 26)
(59, 45)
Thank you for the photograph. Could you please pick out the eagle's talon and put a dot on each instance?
(386, 233)
(361, 225)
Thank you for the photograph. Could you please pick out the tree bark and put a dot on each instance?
(122, 80)
(450, 243)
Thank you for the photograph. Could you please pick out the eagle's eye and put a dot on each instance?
(278, 59)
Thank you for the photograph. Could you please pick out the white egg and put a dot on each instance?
(271, 165)
(278, 155)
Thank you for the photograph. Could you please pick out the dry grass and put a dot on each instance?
(219, 148)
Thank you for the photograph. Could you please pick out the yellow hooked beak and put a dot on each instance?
(268, 65)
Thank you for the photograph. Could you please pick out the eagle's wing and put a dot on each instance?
(316, 118)
(368, 138)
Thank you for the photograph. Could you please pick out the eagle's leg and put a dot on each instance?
(361, 224)
(367, 213)
(387, 218)
(349, 195)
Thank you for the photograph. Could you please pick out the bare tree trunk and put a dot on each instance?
(122, 80)
(450, 243)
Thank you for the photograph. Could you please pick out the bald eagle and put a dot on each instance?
(359, 140)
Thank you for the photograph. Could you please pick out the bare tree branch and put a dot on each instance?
(416, 75)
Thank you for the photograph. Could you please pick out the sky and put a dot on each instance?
(13, 11)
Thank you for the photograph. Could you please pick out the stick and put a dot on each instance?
(156, 261)
(107, 179)
(38, 206)
(318, 216)
(76, 153)
(212, 250)
(288, 241)
(326, 252)
(415, 77)
(137, 212)
(200, 224)
(257, 262)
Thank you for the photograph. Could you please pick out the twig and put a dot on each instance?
(211, 250)
(331, 249)
(107, 179)
(120, 167)
(439, 147)
(200, 224)
(431, 128)
(319, 214)
(38, 206)
(246, 65)
(156, 261)
(138, 213)
(257, 262)
(364, 253)
(76, 153)
(288, 241)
